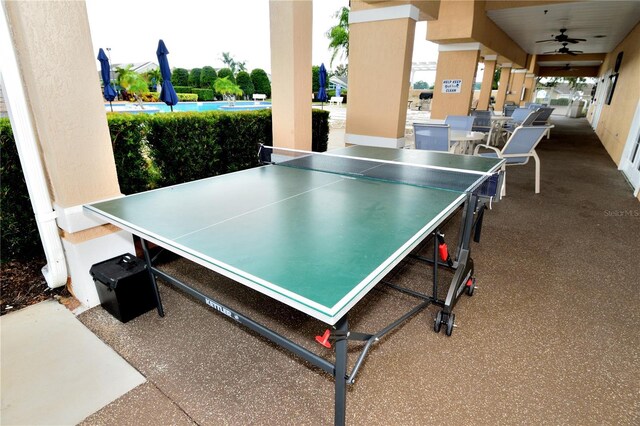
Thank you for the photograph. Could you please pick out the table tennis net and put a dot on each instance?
(390, 171)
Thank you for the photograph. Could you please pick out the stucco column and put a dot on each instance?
(530, 86)
(487, 82)
(380, 51)
(291, 90)
(58, 69)
(455, 77)
(503, 86)
(515, 94)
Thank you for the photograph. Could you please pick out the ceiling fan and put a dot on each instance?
(564, 49)
(562, 38)
(566, 67)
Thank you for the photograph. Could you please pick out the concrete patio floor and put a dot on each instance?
(550, 336)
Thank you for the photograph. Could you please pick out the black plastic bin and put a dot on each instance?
(124, 287)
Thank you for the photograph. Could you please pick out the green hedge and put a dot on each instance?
(150, 150)
(559, 101)
(187, 97)
(19, 236)
(204, 94)
(183, 89)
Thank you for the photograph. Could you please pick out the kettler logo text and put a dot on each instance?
(221, 309)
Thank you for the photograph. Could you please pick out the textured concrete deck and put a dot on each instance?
(550, 337)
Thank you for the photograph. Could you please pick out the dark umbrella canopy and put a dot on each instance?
(322, 77)
(167, 94)
(105, 71)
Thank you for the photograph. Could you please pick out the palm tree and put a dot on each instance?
(228, 89)
(132, 82)
(153, 77)
(339, 35)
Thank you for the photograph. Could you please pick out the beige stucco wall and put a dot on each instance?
(380, 55)
(615, 119)
(291, 23)
(58, 67)
(515, 87)
(455, 65)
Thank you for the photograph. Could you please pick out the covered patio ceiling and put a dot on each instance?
(603, 25)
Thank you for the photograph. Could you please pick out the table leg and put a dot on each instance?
(341, 373)
(152, 276)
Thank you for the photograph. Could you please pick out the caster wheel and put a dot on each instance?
(450, 322)
(471, 286)
(438, 322)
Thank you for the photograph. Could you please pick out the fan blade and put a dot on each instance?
(572, 52)
(575, 40)
(546, 41)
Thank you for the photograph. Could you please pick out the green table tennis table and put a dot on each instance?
(317, 231)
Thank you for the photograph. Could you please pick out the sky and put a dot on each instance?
(196, 32)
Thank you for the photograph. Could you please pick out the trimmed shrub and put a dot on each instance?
(319, 130)
(187, 97)
(244, 81)
(240, 135)
(204, 94)
(208, 76)
(194, 77)
(150, 97)
(180, 77)
(226, 72)
(185, 146)
(134, 165)
(19, 235)
(559, 102)
(261, 83)
(183, 89)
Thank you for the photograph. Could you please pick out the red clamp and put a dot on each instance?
(324, 339)
(443, 249)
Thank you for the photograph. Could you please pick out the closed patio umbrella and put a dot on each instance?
(168, 94)
(105, 72)
(322, 91)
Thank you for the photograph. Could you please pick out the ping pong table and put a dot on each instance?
(317, 232)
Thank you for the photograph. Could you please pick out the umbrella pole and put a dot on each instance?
(171, 108)
(111, 105)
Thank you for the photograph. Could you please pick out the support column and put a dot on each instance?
(530, 86)
(515, 94)
(487, 82)
(380, 52)
(456, 63)
(68, 120)
(503, 86)
(291, 23)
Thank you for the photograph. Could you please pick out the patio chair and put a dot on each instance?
(518, 149)
(508, 110)
(520, 117)
(532, 105)
(482, 122)
(460, 122)
(432, 137)
(542, 119)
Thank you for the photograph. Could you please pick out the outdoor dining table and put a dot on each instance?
(466, 139)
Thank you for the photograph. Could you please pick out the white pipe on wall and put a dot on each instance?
(55, 271)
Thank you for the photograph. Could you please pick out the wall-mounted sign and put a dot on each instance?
(451, 86)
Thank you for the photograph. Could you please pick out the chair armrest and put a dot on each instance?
(453, 146)
(492, 148)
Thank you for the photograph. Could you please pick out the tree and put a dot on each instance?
(208, 76)
(339, 35)
(420, 85)
(131, 82)
(315, 78)
(180, 77)
(232, 64)
(261, 82)
(496, 79)
(194, 77)
(226, 72)
(244, 82)
(153, 77)
(341, 70)
(227, 89)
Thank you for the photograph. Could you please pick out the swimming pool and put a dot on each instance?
(153, 107)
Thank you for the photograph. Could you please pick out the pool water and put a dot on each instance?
(153, 107)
